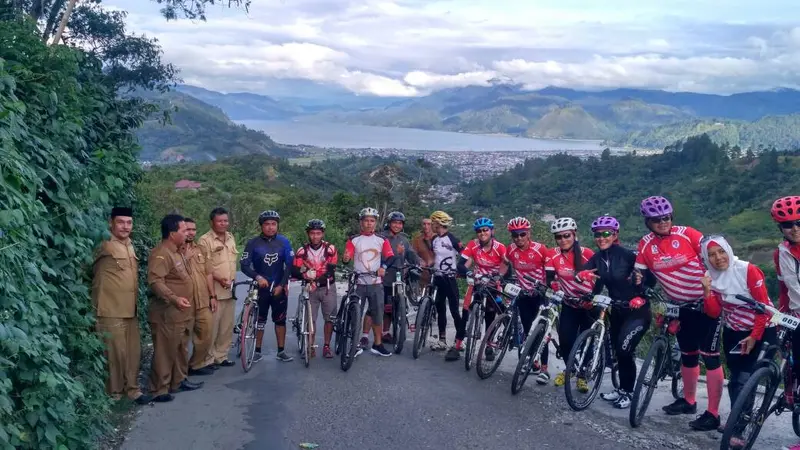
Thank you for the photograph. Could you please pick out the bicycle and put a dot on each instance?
(511, 336)
(399, 307)
(539, 336)
(595, 342)
(303, 323)
(246, 325)
(659, 358)
(771, 374)
(426, 314)
(481, 296)
(349, 319)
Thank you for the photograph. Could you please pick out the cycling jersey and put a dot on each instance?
(614, 267)
(563, 264)
(268, 257)
(738, 315)
(675, 262)
(485, 262)
(446, 249)
(322, 260)
(530, 261)
(787, 265)
(368, 251)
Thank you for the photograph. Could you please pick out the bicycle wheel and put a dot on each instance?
(578, 362)
(647, 381)
(677, 385)
(307, 324)
(796, 421)
(352, 324)
(297, 326)
(746, 417)
(497, 337)
(528, 357)
(423, 326)
(247, 336)
(473, 334)
(399, 323)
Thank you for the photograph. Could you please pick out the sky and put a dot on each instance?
(409, 48)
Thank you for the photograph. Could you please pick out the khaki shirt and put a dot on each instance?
(198, 270)
(115, 285)
(221, 257)
(169, 277)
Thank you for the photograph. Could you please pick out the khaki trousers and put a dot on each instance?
(123, 351)
(168, 354)
(222, 332)
(201, 327)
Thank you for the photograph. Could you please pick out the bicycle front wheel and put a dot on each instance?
(495, 343)
(473, 334)
(528, 357)
(748, 415)
(423, 325)
(399, 323)
(247, 335)
(647, 381)
(586, 364)
(352, 325)
(307, 325)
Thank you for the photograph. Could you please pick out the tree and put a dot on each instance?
(606, 155)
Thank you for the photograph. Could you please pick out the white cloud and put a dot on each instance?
(413, 47)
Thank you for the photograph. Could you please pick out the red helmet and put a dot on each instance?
(786, 209)
(518, 224)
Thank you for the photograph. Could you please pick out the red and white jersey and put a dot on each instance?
(738, 315)
(367, 251)
(485, 262)
(316, 260)
(563, 264)
(530, 262)
(787, 265)
(675, 262)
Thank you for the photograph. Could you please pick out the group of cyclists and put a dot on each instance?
(699, 273)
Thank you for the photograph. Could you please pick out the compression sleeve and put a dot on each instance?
(247, 260)
(758, 290)
(461, 267)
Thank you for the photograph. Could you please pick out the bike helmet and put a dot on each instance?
(605, 222)
(268, 215)
(483, 222)
(442, 218)
(518, 224)
(656, 206)
(786, 209)
(396, 215)
(315, 224)
(563, 224)
(367, 212)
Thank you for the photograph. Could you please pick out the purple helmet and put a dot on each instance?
(656, 206)
(604, 222)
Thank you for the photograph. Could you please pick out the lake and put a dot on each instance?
(362, 136)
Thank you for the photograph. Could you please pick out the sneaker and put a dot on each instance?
(380, 350)
(282, 356)
(611, 396)
(452, 355)
(623, 401)
(326, 352)
(363, 343)
(257, 357)
(536, 369)
(438, 345)
(543, 378)
(387, 338)
(706, 422)
(583, 387)
(680, 406)
(489, 354)
(560, 379)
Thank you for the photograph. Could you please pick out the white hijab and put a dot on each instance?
(730, 281)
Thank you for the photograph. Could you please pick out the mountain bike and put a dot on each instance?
(539, 336)
(426, 315)
(504, 333)
(246, 325)
(303, 323)
(658, 358)
(349, 319)
(399, 304)
(482, 298)
(745, 421)
(595, 344)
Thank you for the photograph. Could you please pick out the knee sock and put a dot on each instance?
(714, 380)
(690, 376)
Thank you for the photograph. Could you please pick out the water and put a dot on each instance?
(361, 136)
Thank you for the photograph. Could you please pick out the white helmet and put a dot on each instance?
(366, 212)
(563, 224)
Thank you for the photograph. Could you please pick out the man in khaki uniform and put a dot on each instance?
(219, 248)
(169, 277)
(115, 288)
(201, 323)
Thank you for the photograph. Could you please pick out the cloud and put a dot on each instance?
(413, 47)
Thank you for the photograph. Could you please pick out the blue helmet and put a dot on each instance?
(483, 222)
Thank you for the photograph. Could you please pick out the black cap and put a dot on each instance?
(121, 211)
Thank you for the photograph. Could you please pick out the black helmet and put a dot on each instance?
(315, 224)
(396, 215)
(268, 215)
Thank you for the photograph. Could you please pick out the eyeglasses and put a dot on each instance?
(519, 235)
(483, 230)
(662, 219)
(791, 224)
(561, 237)
(603, 234)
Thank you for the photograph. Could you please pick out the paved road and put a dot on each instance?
(401, 403)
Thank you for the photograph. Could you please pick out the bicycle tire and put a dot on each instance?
(677, 386)
(743, 402)
(615, 374)
(249, 319)
(352, 324)
(599, 373)
(502, 347)
(528, 356)
(423, 322)
(472, 332)
(656, 355)
(399, 323)
(309, 344)
(796, 420)
(297, 326)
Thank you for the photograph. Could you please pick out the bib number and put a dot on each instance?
(672, 311)
(788, 321)
(512, 289)
(602, 300)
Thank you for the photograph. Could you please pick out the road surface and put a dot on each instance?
(401, 403)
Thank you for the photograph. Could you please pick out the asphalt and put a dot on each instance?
(402, 403)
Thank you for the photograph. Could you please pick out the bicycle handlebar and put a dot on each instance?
(761, 308)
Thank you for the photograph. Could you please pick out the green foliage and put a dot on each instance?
(66, 155)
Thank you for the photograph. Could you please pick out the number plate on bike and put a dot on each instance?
(788, 321)
(672, 311)
(512, 289)
(602, 300)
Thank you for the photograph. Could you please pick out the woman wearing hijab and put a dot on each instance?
(745, 330)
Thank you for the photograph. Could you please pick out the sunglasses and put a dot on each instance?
(662, 219)
(561, 237)
(483, 230)
(791, 224)
(603, 234)
(519, 235)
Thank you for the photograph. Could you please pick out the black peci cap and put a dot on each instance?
(121, 211)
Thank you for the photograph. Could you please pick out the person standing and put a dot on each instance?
(405, 254)
(423, 246)
(169, 277)
(115, 288)
(204, 303)
(219, 250)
